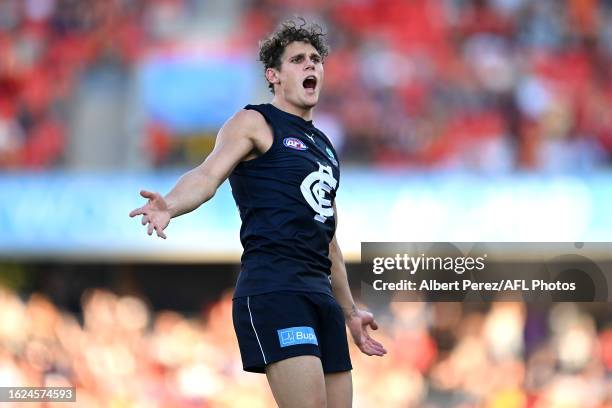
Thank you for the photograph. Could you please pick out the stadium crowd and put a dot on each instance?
(120, 353)
(490, 85)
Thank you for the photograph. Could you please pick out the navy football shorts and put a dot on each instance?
(275, 326)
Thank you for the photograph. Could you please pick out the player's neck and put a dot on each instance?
(283, 105)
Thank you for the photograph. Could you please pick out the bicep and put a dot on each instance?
(232, 145)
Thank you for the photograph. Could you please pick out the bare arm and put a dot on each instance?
(357, 320)
(339, 279)
(235, 141)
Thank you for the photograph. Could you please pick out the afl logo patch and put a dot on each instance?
(294, 143)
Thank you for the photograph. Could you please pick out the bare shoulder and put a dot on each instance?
(249, 121)
(250, 125)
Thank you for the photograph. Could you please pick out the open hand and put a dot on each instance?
(357, 322)
(155, 213)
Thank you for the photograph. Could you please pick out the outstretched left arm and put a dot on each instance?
(357, 320)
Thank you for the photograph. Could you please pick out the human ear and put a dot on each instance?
(272, 76)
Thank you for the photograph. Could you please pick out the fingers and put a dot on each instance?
(372, 348)
(160, 232)
(153, 227)
(362, 339)
(368, 345)
(145, 211)
(378, 348)
(374, 325)
(365, 350)
(367, 319)
(147, 194)
(137, 211)
(369, 350)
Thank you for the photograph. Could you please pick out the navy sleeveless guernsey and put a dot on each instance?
(285, 199)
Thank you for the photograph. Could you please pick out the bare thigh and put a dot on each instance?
(297, 382)
(339, 387)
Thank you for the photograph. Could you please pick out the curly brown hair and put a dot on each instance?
(271, 49)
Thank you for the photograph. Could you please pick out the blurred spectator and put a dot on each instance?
(120, 353)
(467, 84)
(487, 85)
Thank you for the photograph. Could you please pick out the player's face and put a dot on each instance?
(301, 75)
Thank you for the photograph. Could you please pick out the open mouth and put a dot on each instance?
(310, 82)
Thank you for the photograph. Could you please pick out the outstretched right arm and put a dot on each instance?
(235, 142)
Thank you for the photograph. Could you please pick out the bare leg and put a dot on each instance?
(297, 382)
(339, 387)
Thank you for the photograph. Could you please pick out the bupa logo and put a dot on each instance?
(297, 335)
(294, 143)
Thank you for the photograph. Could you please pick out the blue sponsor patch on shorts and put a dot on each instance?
(297, 335)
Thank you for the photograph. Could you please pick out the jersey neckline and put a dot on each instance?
(299, 118)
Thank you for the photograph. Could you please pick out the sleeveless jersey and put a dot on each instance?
(285, 199)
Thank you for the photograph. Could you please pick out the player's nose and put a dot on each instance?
(309, 64)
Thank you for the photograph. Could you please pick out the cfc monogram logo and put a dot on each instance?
(315, 188)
